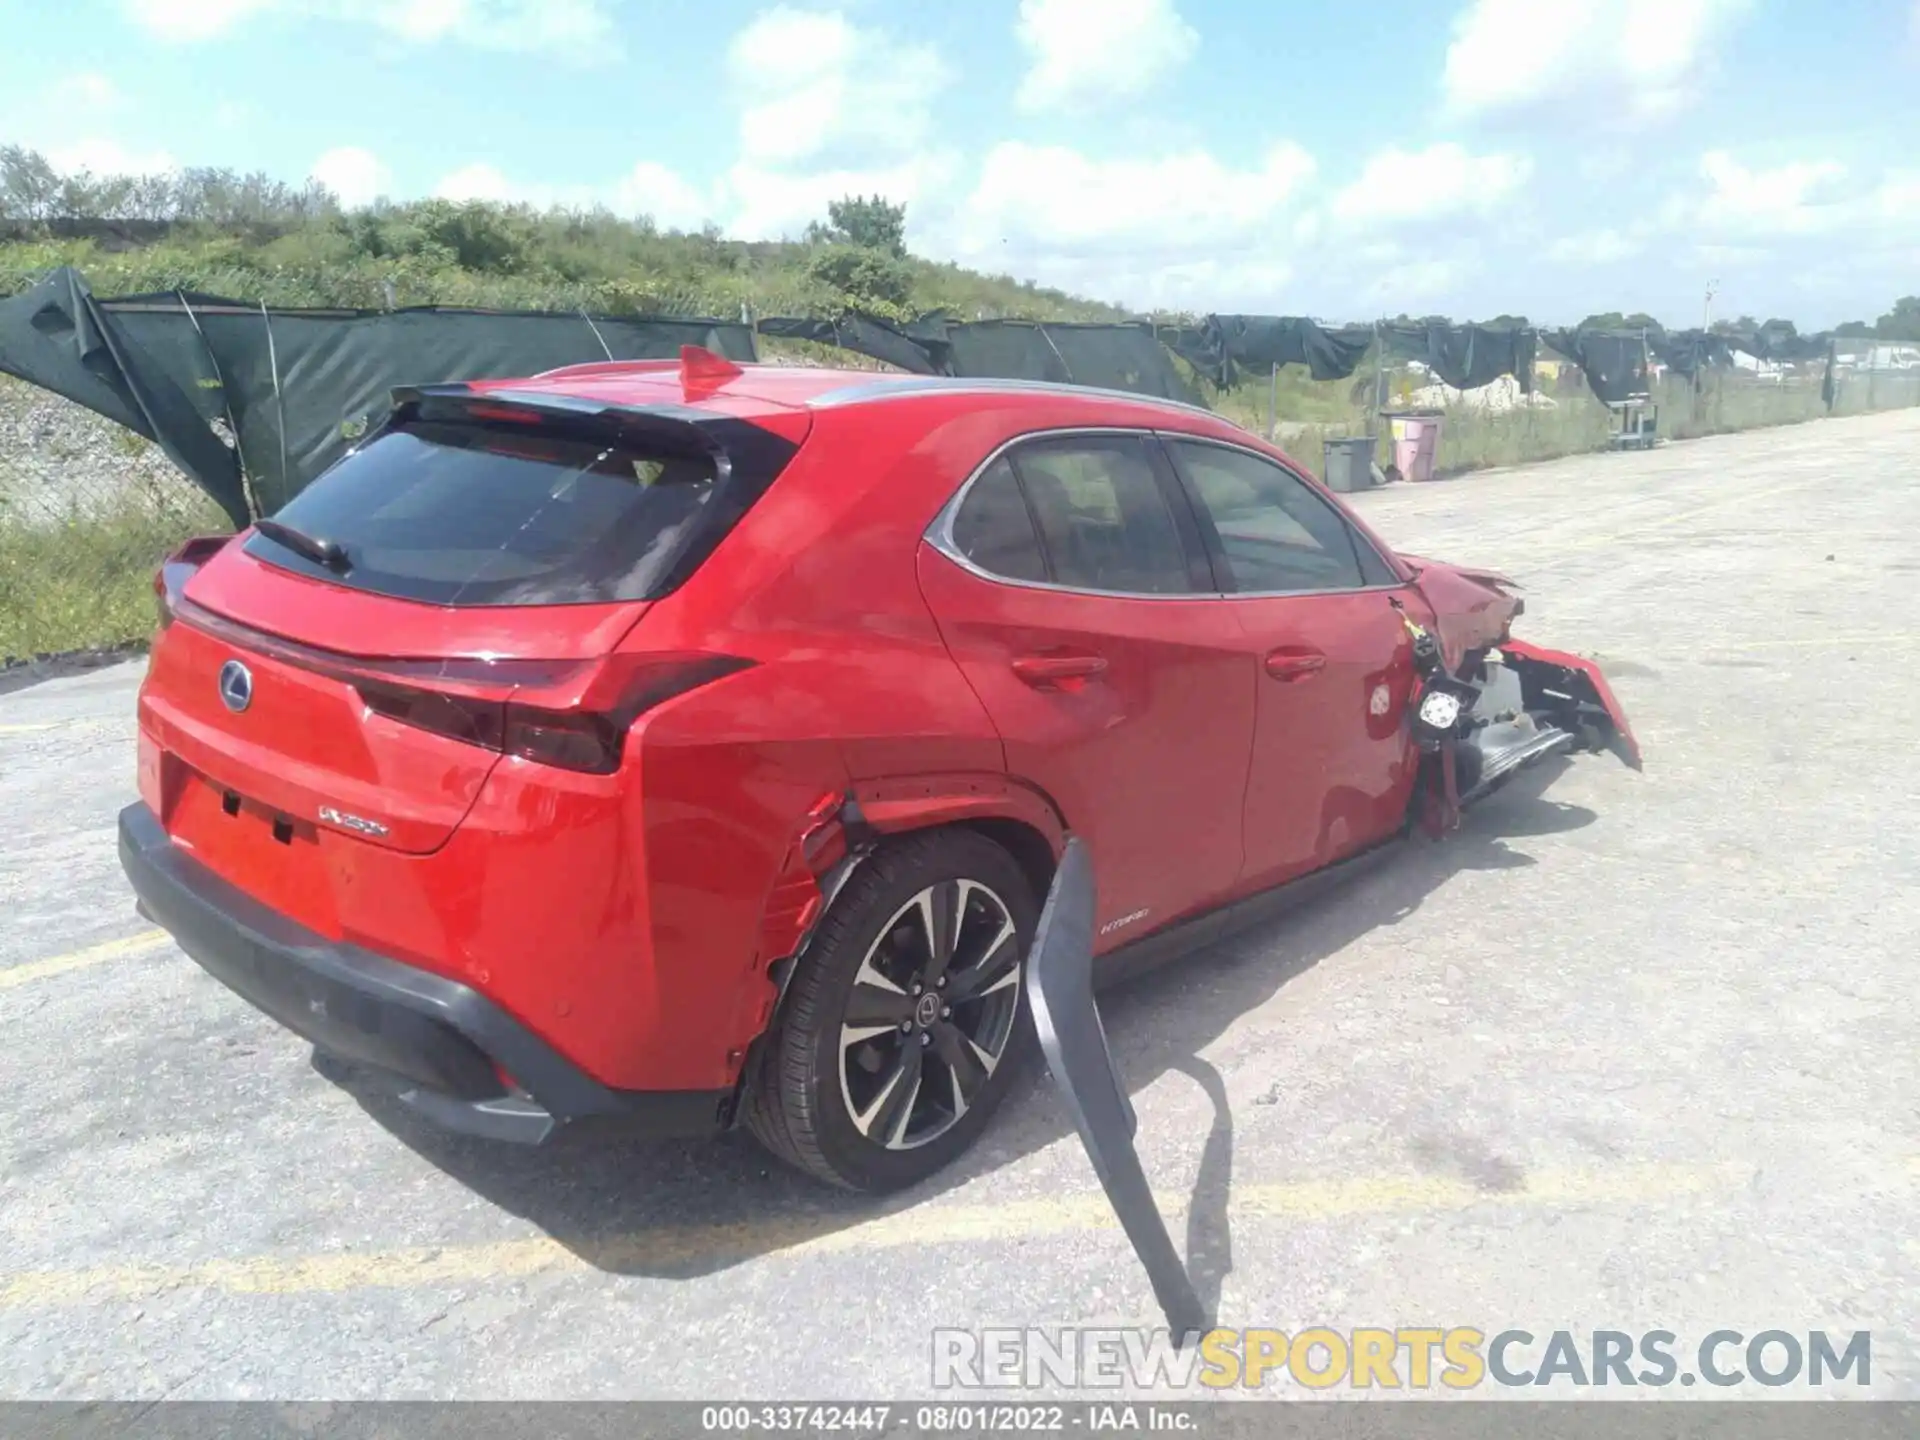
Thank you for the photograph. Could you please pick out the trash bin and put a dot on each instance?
(1349, 463)
(1416, 442)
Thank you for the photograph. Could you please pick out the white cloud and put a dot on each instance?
(855, 118)
(1410, 287)
(1625, 61)
(88, 91)
(356, 176)
(1799, 198)
(768, 204)
(1898, 196)
(192, 19)
(649, 188)
(1731, 257)
(427, 20)
(816, 86)
(1049, 195)
(1442, 180)
(1180, 229)
(1598, 247)
(674, 202)
(579, 29)
(109, 157)
(480, 182)
(1086, 53)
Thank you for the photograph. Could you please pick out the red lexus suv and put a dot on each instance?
(691, 745)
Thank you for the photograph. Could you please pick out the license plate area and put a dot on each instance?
(272, 856)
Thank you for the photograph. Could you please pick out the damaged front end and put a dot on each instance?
(1487, 706)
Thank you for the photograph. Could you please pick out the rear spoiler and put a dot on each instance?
(677, 427)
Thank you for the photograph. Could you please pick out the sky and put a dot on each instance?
(1335, 158)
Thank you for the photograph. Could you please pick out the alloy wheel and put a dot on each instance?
(931, 1014)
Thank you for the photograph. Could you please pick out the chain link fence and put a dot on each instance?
(87, 511)
(1500, 425)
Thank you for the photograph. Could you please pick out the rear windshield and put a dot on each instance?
(476, 515)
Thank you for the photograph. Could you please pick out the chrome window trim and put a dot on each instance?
(939, 534)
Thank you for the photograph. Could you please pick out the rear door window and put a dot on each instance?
(994, 529)
(455, 514)
(1104, 519)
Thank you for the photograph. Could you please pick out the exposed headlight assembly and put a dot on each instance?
(1440, 708)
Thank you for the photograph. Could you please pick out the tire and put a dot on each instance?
(830, 1094)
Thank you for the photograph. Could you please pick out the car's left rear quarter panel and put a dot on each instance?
(818, 586)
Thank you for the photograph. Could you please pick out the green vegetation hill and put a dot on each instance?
(254, 238)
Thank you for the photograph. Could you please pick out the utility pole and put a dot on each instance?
(1706, 310)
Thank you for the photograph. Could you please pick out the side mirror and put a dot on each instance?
(1059, 982)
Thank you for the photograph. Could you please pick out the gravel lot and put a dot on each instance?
(1633, 1051)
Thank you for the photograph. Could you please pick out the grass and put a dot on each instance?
(86, 580)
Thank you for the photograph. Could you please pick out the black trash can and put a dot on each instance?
(1349, 463)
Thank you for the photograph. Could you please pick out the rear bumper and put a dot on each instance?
(437, 1040)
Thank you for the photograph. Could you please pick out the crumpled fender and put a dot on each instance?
(1472, 608)
(1585, 673)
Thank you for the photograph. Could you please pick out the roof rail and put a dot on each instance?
(895, 387)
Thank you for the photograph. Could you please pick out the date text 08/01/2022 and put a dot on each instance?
(857, 1419)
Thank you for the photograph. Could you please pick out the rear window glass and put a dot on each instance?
(994, 530)
(474, 515)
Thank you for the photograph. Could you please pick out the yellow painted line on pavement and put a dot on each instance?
(81, 959)
(1299, 1202)
(34, 729)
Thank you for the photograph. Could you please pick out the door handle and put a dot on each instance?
(1292, 665)
(1043, 670)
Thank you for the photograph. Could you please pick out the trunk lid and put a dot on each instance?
(318, 741)
(354, 670)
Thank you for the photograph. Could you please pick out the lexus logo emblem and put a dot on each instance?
(236, 686)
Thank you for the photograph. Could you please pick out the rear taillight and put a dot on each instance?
(571, 713)
(178, 568)
(588, 737)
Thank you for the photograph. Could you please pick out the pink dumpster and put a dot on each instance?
(1416, 441)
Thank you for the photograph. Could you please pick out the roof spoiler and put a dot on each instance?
(674, 427)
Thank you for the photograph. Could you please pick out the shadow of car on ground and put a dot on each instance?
(681, 1210)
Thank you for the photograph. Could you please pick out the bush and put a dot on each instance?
(866, 279)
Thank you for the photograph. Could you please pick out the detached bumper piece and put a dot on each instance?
(441, 1045)
(1060, 995)
(1493, 754)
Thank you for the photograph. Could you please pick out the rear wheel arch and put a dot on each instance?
(791, 1093)
(1032, 850)
(879, 815)
(994, 800)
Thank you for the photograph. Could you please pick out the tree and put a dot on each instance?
(1614, 320)
(29, 186)
(1902, 322)
(865, 222)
